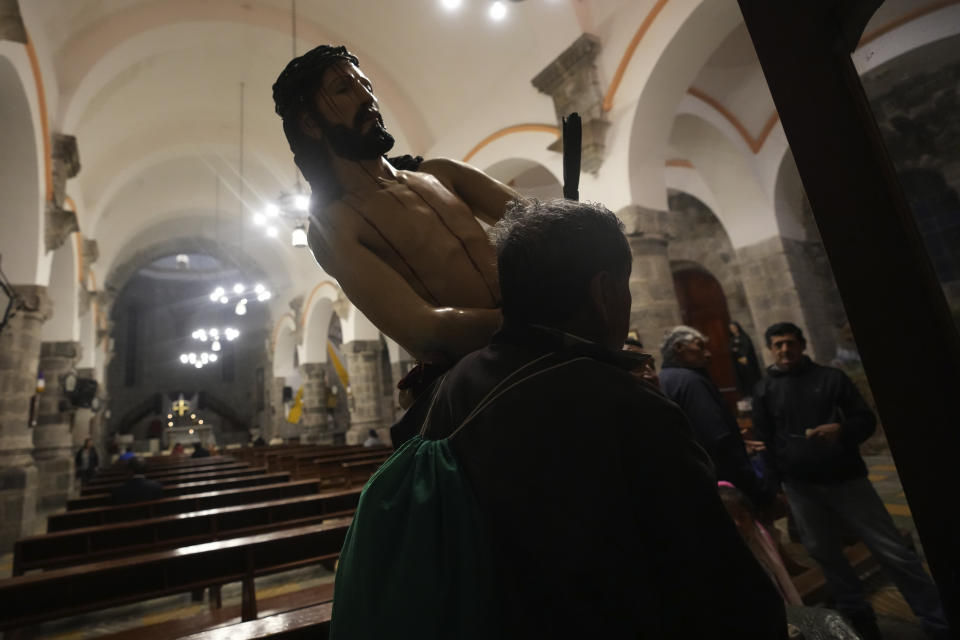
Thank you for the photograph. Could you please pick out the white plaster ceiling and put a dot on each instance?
(151, 89)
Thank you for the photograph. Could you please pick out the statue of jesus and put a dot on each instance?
(401, 236)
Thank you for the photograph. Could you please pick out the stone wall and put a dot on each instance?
(19, 362)
(790, 281)
(700, 238)
(654, 308)
(53, 437)
(365, 365)
(915, 100)
(313, 425)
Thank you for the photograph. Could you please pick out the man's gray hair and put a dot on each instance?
(680, 334)
(548, 252)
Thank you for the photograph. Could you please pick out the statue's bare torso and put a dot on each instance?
(417, 226)
(426, 234)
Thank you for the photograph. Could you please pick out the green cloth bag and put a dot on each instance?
(416, 562)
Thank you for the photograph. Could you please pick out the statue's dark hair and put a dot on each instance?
(293, 93)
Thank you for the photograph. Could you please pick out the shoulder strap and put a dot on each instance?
(506, 385)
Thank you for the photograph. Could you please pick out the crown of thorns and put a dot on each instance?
(302, 72)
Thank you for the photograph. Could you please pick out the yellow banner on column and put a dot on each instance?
(296, 411)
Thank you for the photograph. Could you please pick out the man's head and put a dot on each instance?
(785, 340)
(87, 443)
(566, 265)
(136, 467)
(684, 346)
(372, 433)
(328, 106)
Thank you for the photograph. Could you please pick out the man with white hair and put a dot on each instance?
(684, 379)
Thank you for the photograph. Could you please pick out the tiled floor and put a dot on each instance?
(896, 620)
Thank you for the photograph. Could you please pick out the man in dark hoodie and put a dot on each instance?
(813, 419)
(684, 379)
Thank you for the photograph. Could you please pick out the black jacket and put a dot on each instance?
(787, 403)
(715, 428)
(137, 489)
(602, 510)
(93, 462)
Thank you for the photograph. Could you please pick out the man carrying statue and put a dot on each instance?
(401, 236)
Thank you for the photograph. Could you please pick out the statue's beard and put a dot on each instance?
(349, 144)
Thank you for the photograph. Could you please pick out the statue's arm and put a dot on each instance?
(430, 334)
(488, 198)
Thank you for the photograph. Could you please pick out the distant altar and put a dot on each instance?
(186, 425)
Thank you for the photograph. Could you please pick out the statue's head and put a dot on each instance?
(328, 106)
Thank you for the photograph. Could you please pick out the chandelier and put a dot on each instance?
(203, 358)
(242, 294)
(291, 208)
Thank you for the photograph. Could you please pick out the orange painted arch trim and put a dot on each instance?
(910, 16)
(276, 330)
(44, 125)
(679, 162)
(506, 131)
(79, 239)
(306, 306)
(628, 54)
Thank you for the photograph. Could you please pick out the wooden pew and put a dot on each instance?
(229, 616)
(93, 544)
(294, 463)
(308, 623)
(122, 468)
(179, 504)
(286, 461)
(50, 595)
(163, 472)
(359, 471)
(104, 499)
(334, 472)
(242, 472)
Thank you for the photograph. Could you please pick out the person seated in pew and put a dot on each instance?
(373, 439)
(580, 505)
(127, 455)
(177, 450)
(137, 488)
(199, 451)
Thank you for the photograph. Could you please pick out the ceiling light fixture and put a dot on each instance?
(498, 11)
(299, 236)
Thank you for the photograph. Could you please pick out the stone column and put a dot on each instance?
(52, 437)
(655, 307)
(313, 422)
(572, 79)
(365, 364)
(276, 425)
(19, 357)
(790, 280)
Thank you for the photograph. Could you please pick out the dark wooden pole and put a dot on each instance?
(906, 336)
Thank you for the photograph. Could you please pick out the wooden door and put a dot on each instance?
(703, 306)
